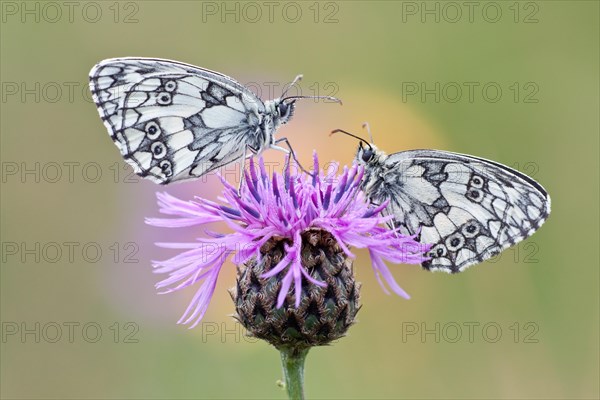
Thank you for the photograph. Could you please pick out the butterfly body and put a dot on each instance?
(173, 121)
(468, 208)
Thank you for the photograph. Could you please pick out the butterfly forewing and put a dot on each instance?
(172, 121)
(468, 208)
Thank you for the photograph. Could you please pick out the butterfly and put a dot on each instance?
(468, 208)
(173, 121)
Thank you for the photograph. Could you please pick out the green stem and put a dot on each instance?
(293, 369)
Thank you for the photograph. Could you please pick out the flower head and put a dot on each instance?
(274, 206)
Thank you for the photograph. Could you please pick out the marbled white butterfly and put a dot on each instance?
(174, 121)
(468, 208)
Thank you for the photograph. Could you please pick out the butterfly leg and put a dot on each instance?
(291, 152)
(242, 169)
(391, 223)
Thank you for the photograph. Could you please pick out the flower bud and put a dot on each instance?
(324, 313)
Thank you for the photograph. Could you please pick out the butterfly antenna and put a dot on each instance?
(334, 99)
(350, 134)
(294, 82)
(368, 128)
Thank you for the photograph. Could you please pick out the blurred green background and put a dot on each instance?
(533, 312)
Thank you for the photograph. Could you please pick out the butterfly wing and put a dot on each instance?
(469, 208)
(173, 121)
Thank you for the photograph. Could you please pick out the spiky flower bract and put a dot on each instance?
(278, 206)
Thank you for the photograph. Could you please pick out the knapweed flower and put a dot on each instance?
(291, 237)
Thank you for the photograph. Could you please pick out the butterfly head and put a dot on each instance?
(285, 111)
(367, 152)
(280, 111)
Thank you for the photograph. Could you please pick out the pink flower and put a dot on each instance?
(278, 206)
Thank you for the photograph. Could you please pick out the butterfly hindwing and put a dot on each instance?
(172, 121)
(469, 208)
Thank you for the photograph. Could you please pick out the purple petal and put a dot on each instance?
(285, 288)
(380, 266)
(200, 301)
(281, 265)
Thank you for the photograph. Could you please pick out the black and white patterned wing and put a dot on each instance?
(173, 121)
(469, 208)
